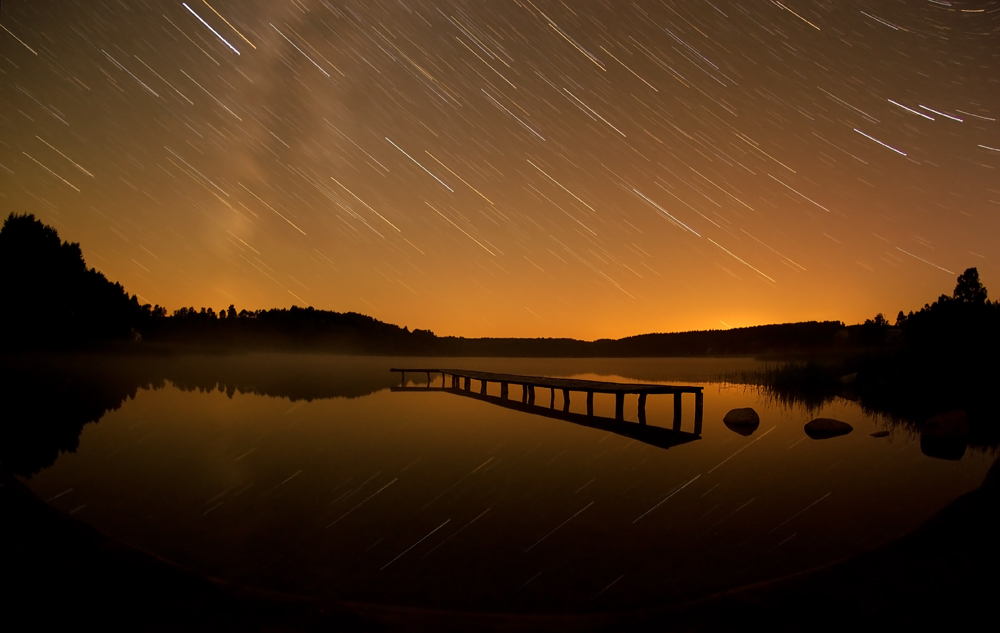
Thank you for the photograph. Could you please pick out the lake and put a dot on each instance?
(307, 474)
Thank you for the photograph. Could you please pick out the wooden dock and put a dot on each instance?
(461, 380)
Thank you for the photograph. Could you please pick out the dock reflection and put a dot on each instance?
(646, 433)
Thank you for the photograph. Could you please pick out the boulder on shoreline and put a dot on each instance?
(825, 428)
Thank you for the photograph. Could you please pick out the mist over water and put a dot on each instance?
(344, 489)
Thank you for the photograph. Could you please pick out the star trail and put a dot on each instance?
(584, 168)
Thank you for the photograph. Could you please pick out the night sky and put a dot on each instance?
(513, 167)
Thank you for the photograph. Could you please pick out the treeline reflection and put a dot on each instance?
(47, 400)
(949, 414)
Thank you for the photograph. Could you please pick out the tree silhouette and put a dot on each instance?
(969, 289)
(51, 298)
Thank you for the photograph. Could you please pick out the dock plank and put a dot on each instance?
(571, 384)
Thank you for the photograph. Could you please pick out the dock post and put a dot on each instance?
(565, 399)
(699, 406)
(677, 411)
(552, 403)
(531, 394)
(442, 380)
(503, 390)
(642, 408)
(590, 403)
(524, 393)
(428, 379)
(619, 406)
(482, 388)
(402, 379)
(454, 382)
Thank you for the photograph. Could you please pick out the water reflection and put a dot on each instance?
(645, 433)
(47, 400)
(950, 415)
(430, 500)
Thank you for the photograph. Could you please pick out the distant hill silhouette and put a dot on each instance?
(295, 328)
(764, 339)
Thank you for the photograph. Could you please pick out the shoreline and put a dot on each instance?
(943, 571)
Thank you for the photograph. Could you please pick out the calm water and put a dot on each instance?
(437, 500)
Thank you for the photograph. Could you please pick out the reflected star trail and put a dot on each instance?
(513, 167)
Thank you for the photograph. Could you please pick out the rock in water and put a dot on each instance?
(943, 448)
(950, 425)
(743, 421)
(880, 434)
(825, 428)
(943, 436)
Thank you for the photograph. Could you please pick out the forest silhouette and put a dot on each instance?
(51, 298)
(55, 302)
